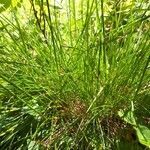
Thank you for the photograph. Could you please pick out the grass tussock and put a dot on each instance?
(66, 72)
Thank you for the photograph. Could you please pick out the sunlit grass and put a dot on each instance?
(65, 74)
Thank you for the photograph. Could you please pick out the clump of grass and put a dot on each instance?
(61, 80)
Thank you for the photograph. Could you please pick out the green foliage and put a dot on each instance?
(143, 132)
(128, 117)
(5, 4)
(67, 68)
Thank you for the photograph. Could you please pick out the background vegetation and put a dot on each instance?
(74, 74)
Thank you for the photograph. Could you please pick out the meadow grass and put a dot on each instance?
(65, 75)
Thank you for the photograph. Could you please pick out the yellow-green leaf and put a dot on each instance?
(4, 4)
(143, 134)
